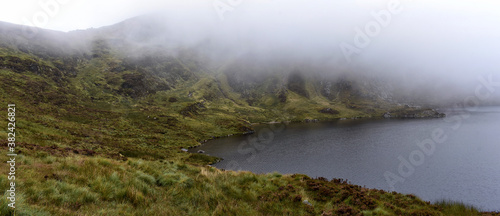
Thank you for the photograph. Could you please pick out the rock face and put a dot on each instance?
(297, 84)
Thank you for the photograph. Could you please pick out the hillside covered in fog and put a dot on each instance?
(105, 115)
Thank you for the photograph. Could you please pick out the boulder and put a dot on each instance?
(387, 115)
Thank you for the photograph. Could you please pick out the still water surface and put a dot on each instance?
(464, 165)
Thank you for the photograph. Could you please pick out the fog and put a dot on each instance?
(425, 47)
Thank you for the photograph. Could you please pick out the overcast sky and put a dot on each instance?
(78, 14)
(83, 14)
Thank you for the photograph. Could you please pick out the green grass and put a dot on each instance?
(96, 185)
(456, 208)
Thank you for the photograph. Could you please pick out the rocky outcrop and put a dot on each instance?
(329, 111)
(192, 110)
(20, 65)
(311, 120)
(408, 112)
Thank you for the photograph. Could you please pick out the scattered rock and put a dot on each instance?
(307, 202)
(387, 115)
(184, 150)
(311, 120)
(248, 132)
(201, 151)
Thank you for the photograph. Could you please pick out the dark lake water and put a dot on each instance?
(454, 158)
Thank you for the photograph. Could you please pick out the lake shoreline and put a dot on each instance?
(358, 122)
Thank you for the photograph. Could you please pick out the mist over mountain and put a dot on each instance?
(418, 55)
(110, 98)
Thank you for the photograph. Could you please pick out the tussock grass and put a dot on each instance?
(456, 208)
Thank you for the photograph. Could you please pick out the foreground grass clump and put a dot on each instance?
(90, 185)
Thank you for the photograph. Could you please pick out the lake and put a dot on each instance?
(454, 158)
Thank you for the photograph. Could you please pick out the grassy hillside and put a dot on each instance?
(100, 133)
